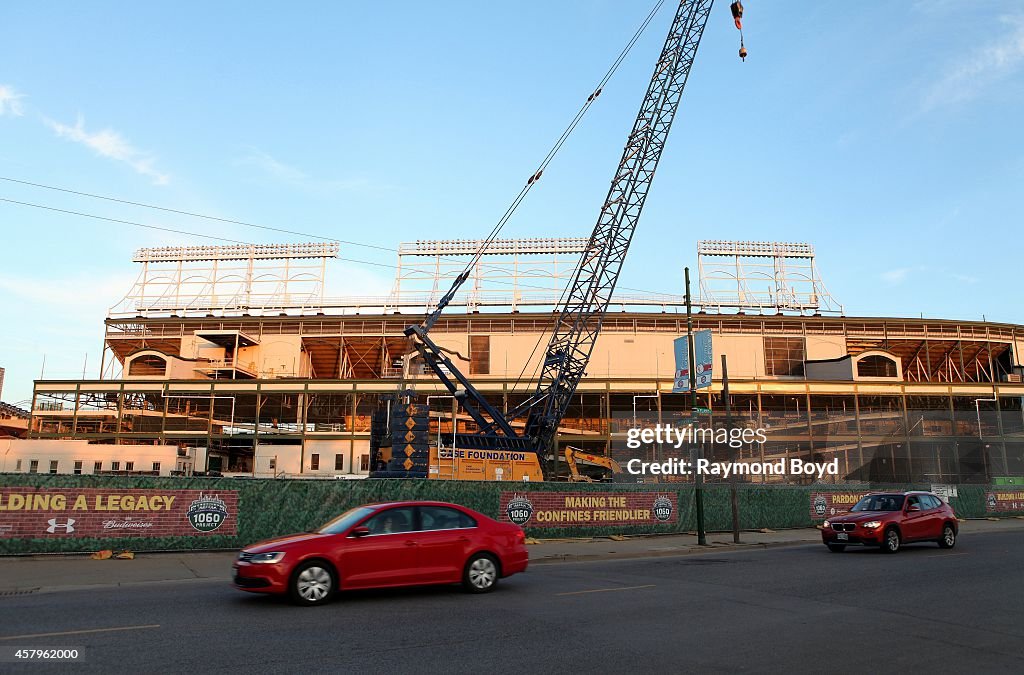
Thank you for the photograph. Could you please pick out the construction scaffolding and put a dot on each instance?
(762, 276)
(511, 273)
(254, 279)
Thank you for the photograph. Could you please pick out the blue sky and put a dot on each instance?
(885, 133)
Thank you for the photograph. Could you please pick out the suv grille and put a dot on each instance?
(843, 527)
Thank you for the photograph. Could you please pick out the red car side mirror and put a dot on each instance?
(913, 507)
(359, 532)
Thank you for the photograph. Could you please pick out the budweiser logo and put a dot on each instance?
(126, 524)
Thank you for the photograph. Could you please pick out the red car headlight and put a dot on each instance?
(267, 558)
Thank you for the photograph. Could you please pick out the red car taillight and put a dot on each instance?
(521, 537)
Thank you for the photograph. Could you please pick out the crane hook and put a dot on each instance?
(737, 16)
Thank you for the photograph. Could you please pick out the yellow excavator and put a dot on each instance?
(574, 455)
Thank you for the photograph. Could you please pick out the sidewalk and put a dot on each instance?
(41, 574)
(605, 548)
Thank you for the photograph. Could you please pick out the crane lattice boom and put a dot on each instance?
(581, 315)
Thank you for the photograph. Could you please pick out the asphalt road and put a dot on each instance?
(800, 608)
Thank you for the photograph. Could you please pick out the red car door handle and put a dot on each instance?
(410, 543)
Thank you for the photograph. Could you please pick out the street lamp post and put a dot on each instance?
(698, 479)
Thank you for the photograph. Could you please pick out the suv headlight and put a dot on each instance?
(871, 524)
(826, 525)
(267, 558)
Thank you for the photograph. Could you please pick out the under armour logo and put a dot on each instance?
(68, 527)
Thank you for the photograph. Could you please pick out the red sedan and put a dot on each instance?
(383, 545)
(890, 520)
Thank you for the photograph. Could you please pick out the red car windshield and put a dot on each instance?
(879, 503)
(345, 520)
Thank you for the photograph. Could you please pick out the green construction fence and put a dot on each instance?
(267, 507)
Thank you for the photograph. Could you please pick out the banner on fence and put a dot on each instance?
(45, 513)
(588, 509)
(828, 504)
(998, 501)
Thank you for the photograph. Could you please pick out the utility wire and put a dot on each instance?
(124, 222)
(191, 214)
(188, 233)
(232, 222)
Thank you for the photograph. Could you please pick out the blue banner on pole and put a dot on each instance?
(703, 355)
(682, 377)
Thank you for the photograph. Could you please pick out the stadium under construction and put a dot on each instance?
(233, 359)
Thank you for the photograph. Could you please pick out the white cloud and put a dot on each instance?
(296, 177)
(109, 143)
(899, 275)
(896, 276)
(279, 170)
(81, 297)
(968, 77)
(10, 101)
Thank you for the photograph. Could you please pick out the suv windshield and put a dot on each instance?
(345, 520)
(879, 503)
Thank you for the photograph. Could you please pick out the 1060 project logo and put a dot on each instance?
(207, 513)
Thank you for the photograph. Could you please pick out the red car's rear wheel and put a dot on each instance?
(481, 573)
(948, 538)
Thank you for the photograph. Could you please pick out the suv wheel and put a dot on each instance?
(481, 573)
(837, 548)
(312, 584)
(948, 538)
(892, 542)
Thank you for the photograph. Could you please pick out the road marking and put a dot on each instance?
(79, 632)
(607, 590)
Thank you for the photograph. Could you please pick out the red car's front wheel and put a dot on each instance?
(312, 584)
(891, 543)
